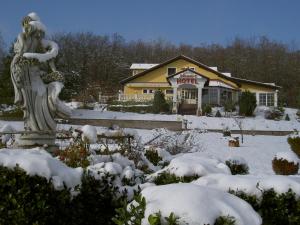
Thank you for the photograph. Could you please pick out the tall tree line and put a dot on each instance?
(96, 63)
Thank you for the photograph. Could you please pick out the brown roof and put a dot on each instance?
(233, 79)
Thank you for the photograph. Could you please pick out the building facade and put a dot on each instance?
(191, 84)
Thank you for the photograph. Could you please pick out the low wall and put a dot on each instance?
(137, 124)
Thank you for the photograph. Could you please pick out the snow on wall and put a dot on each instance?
(196, 205)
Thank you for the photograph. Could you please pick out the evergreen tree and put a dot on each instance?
(159, 102)
(6, 86)
(247, 103)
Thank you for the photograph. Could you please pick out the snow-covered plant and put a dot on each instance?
(285, 163)
(152, 155)
(237, 166)
(294, 142)
(169, 178)
(226, 132)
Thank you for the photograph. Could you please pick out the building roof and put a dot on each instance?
(142, 66)
(211, 69)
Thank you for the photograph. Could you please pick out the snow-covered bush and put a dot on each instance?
(152, 155)
(273, 114)
(226, 132)
(36, 188)
(285, 163)
(187, 207)
(237, 165)
(294, 142)
(169, 178)
(274, 208)
(75, 155)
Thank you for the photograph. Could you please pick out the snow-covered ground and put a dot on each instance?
(194, 122)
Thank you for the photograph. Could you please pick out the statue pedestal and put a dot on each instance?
(31, 140)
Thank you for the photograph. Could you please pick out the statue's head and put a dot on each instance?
(32, 25)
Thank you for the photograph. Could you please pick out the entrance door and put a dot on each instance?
(189, 96)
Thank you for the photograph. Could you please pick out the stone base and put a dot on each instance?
(199, 112)
(32, 140)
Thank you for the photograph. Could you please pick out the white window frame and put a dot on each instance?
(266, 101)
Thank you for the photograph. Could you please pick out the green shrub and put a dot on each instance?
(237, 167)
(159, 103)
(75, 155)
(225, 220)
(284, 167)
(218, 114)
(168, 178)
(229, 106)
(152, 156)
(247, 103)
(206, 109)
(30, 200)
(287, 117)
(294, 143)
(275, 209)
(135, 108)
(16, 113)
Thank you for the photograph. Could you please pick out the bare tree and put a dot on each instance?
(239, 123)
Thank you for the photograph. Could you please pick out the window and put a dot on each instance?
(171, 71)
(145, 91)
(266, 99)
(169, 92)
(150, 91)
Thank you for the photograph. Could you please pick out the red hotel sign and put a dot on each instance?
(187, 79)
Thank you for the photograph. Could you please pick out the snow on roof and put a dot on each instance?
(142, 66)
(227, 74)
(270, 84)
(215, 68)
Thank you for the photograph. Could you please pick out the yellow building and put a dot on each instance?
(190, 84)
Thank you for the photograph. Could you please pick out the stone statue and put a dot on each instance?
(36, 91)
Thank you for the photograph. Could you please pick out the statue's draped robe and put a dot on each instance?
(37, 99)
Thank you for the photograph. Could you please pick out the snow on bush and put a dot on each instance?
(288, 156)
(6, 137)
(193, 164)
(39, 162)
(125, 175)
(196, 205)
(252, 185)
(89, 134)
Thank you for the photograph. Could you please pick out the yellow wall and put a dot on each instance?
(159, 76)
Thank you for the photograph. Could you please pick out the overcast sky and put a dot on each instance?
(178, 21)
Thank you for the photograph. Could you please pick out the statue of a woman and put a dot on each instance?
(39, 101)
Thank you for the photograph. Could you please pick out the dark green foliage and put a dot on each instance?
(287, 117)
(30, 199)
(275, 209)
(225, 220)
(134, 215)
(284, 167)
(159, 103)
(294, 143)
(229, 106)
(95, 203)
(218, 114)
(33, 200)
(237, 168)
(6, 86)
(168, 178)
(137, 109)
(226, 132)
(16, 113)
(152, 156)
(206, 109)
(247, 103)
